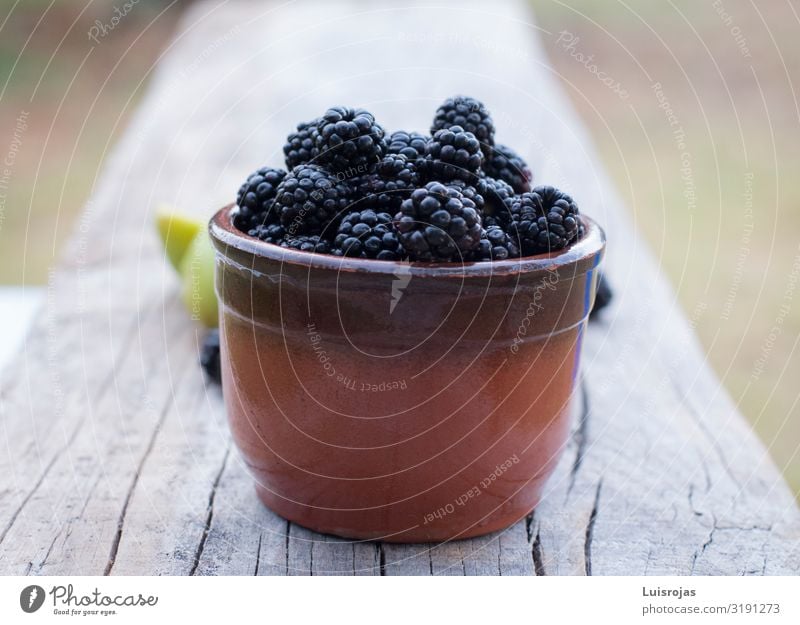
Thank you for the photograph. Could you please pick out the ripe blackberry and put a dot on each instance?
(453, 153)
(409, 144)
(271, 233)
(603, 296)
(468, 190)
(300, 146)
(349, 140)
(210, 356)
(397, 167)
(310, 199)
(491, 220)
(368, 234)
(498, 196)
(543, 220)
(255, 198)
(393, 180)
(438, 223)
(505, 164)
(471, 115)
(306, 243)
(495, 244)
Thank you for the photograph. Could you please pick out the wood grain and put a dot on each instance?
(117, 458)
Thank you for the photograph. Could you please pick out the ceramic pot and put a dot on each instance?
(395, 401)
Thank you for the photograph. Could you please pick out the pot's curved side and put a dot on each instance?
(395, 406)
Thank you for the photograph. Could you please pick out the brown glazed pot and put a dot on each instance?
(394, 401)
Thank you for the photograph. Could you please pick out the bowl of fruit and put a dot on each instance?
(400, 323)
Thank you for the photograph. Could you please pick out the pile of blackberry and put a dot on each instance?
(352, 189)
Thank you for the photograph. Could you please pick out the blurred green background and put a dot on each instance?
(724, 67)
(733, 252)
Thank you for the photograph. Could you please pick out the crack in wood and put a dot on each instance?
(529, 526)
(39, 482)
(210, 514)
(740, 528)
(580, 435)
(382, 559)
(112, 556)
(536, 544)
(69, 524)
(647, 562)
(258, 555)
(705, 545)
(538, 558)
(286, 547)
(50, 550)
(587, 545)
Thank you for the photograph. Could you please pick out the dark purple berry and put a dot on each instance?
(543, 220)
(368, 234)
(301, 145)
(438, 223)
(471, 115)
(311, 200)
(507, 165)
(348, 140)
(453, 154)
(255, 198)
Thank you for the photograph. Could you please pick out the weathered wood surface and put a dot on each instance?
(116, 457)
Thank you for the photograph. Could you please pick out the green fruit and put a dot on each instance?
(177, 231)
(197, 281)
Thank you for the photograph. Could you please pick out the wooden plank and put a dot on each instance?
(117, 455)
(171, 506)
(244, 538)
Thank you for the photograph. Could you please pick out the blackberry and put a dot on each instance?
(409, 144)
(495, 244)
(397, 167)
(394, 179)
(271, 233)
(543, 220)
(210, 357)
(498, 196)
(438, 223)
(300, 146)
(306, 243)
(349, 140)
(491, 220)
(368, 234)
(471, 115)
(310, 199)
(453, 153)
(505, 164)
(468, 190)
(603, 296)
(255, 198)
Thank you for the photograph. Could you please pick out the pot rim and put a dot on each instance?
(225, 235)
